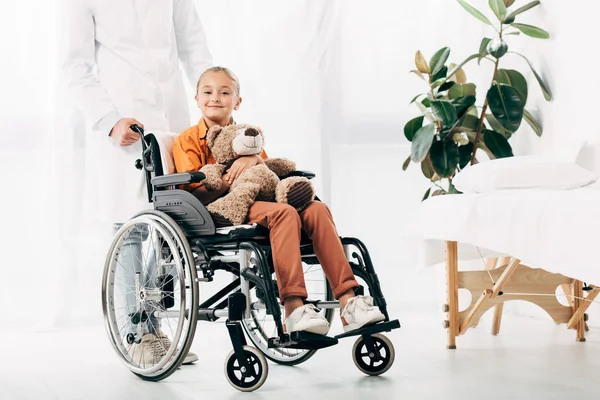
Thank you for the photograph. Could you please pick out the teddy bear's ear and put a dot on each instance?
(212, 135)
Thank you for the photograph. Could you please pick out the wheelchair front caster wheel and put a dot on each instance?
(373, 358)
(247, 379)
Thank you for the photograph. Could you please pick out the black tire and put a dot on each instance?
(235, 374)
(377, 364)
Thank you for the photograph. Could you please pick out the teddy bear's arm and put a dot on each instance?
(281, 166)
(214, 174)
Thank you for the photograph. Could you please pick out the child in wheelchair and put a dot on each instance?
(218, 95)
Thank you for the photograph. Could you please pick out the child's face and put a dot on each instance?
(216, 97)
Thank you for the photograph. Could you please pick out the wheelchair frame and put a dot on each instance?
(233, 301)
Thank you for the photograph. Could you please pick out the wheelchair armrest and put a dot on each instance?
(178, 179)
(305, 174)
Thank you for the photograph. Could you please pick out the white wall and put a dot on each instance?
(329, 82)
(379, 40)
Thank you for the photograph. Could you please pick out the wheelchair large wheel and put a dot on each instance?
(261, 326)
(150, 295)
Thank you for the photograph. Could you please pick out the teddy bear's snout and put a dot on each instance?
(251, 132)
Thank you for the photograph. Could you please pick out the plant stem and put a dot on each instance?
(484, 108)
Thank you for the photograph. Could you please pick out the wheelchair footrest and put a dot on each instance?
(304, 340)
(371, 329)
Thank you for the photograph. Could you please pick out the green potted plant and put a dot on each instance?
(452, 127)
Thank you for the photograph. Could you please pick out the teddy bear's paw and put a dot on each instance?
(281, 166)
(298, 192)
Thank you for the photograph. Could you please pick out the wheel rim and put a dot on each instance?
(370, 363)
(261, 326)
(250, 378)
(161, 244)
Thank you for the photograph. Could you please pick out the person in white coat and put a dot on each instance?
(122, 67)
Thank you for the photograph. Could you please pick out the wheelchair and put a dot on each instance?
(177, 247)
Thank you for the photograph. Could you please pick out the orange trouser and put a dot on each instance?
(285, 225)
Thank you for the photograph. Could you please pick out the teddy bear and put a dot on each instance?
(262, 182)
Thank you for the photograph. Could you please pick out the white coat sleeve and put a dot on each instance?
(192, 47)
(78, 65)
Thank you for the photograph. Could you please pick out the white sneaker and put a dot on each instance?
(166, 342)
(148, 352)
(360, 311)
(306, 318)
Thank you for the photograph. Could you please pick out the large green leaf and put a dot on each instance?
(451, 188)
(497, 144)
(483, 46)
(497, 126)
(438, 60)
(532, 31)
(444, 157)
(427, 168)
(474, 12)
(483, 49)
(464, 154)
(514, 78)
(506, 105)
(406, 163)
(446, 86)
(463, 104)
(440, 75)
(426, 195)
(412, 127)
(422, 142)
(416, 97)
(468, 123)
(499, 8)
(532, 122)
(543, 86)
(462, 90)
(521, 10)
(425, 111)
(444, 111)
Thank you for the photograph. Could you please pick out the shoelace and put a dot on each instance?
(157, 348)
(311, 310)
(164, 340)
(362, 303)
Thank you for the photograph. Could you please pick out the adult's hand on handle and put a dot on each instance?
(122, 133)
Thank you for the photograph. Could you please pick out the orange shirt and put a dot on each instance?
(191, 152)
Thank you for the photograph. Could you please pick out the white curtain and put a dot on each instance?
(53, 255)
(327, 80)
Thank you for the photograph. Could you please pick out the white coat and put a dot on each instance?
(122, 60)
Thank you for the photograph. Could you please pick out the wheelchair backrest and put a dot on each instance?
(182, 206)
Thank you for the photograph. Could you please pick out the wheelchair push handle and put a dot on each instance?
(139, 164)
(137, 129)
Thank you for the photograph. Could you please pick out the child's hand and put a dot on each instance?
(239, 166)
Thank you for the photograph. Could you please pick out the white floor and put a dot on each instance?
(531, 359)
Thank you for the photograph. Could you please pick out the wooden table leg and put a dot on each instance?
(492, 263)
(452, 293)
(577, 302)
